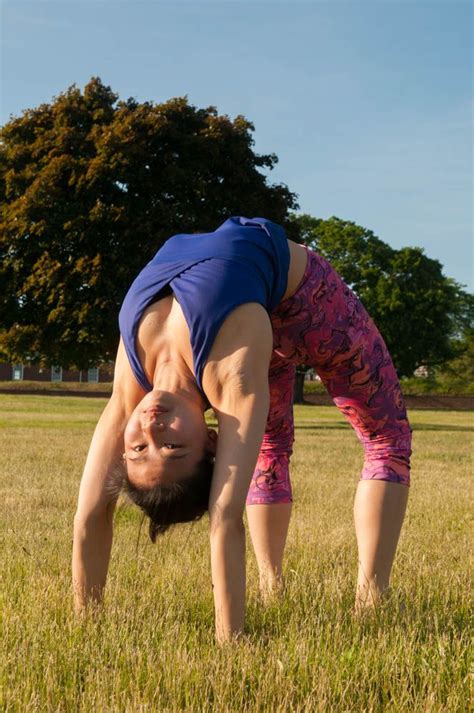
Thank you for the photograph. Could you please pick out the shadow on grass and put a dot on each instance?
(440, 427)
(416, 427)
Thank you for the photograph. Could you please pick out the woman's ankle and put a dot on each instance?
(271, 587)
(370, 594)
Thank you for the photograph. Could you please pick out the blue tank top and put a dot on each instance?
(210, 274)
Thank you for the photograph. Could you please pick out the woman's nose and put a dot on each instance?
(156, 425)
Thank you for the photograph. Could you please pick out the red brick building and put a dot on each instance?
(27, 372)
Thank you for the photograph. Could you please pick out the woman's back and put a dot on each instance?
(210, 275)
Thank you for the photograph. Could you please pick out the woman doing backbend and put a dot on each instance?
(221, 320)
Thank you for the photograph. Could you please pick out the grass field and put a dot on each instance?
(151, 648)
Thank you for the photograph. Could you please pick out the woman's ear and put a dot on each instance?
(211, 445)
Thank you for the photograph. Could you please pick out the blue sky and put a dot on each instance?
(368, 105)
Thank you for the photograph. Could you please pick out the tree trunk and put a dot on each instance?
(298, 392)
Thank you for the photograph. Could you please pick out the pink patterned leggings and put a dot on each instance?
(324, 326)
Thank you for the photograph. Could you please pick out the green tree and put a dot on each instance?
(90, 187)
(420, 312)
(457, 375)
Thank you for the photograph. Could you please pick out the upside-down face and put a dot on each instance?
(165, 438)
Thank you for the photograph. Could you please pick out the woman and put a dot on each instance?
(221, 320)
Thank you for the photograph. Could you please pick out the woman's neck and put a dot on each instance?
(173, 374)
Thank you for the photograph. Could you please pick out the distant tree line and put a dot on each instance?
(91, 187)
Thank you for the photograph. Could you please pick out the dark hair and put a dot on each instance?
(183, 501)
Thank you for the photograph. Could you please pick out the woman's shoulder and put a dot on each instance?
(240, 355)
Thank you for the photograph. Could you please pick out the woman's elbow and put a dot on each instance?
(84, 521)
(228, 521)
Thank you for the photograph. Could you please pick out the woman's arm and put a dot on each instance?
(95, 508)
(240, 401)
(240, 436)
(271, 478)
(93, 521)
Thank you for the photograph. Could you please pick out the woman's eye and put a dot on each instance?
(137, 449)
(171, 446)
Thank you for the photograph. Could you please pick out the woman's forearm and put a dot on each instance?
(93, 521)
(90, 558)
(228, 578)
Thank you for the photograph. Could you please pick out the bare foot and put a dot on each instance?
(272, 590)
(368, 605)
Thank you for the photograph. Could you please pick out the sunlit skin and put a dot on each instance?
(166, 437)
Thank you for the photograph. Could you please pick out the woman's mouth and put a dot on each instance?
(155, 410)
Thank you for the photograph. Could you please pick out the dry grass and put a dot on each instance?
(151, 648)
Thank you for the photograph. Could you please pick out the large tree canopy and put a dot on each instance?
(419, 311)
(90, 187)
